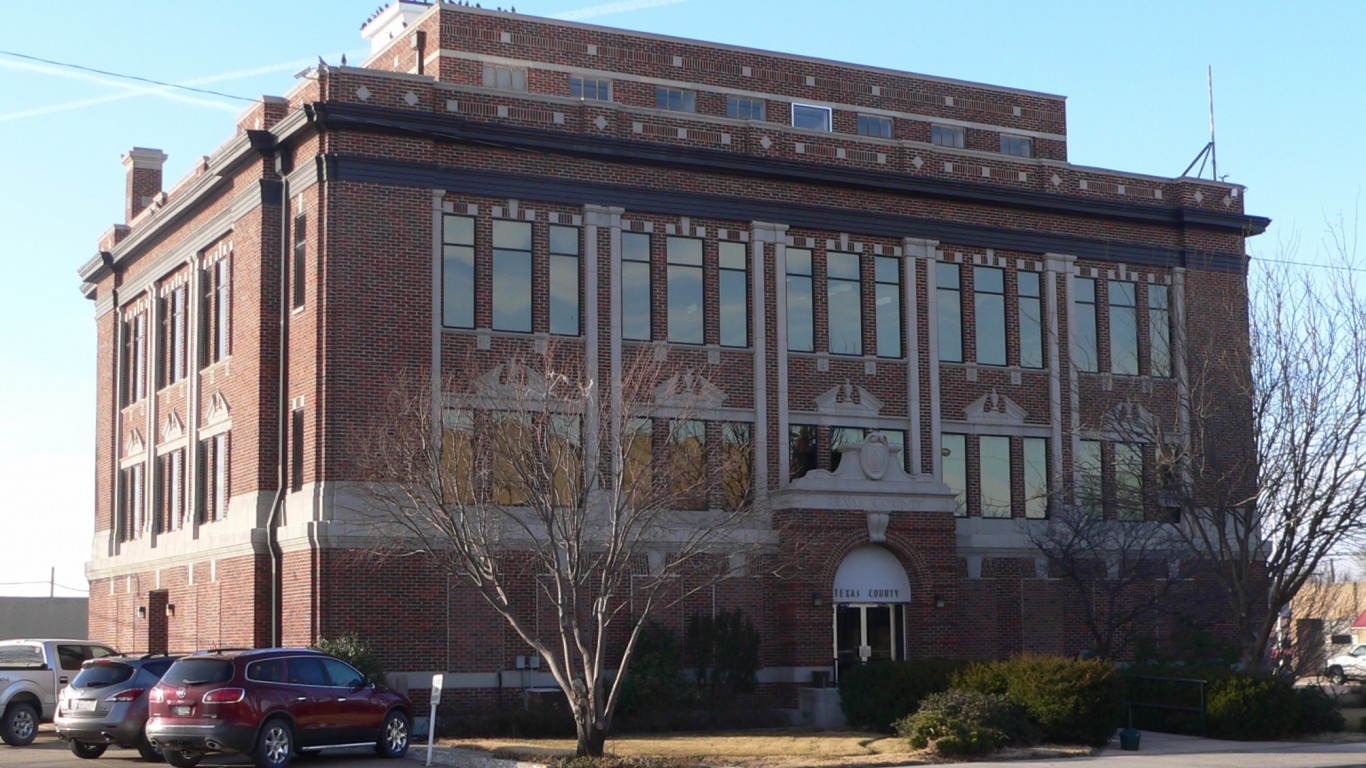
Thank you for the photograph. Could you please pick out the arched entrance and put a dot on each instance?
(871, 593)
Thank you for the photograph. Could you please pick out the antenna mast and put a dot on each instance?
(1208, 153)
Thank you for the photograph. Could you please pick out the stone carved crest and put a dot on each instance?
(874, 456)
(173, 428)
(689, 390)
(1130, 422)
(218, 409)
(848, 400)
(135, 444)
(995, 408)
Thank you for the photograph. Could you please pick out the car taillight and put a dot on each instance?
(224, 696)
(127, 694)
(157, 695)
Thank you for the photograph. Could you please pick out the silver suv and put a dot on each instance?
(107, 704)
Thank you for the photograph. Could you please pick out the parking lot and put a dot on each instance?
(50, 752)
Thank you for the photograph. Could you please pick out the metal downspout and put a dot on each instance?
(272, 524)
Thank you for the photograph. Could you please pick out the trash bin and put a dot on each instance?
(1128, 738)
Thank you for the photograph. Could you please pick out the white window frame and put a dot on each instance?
(828, 112)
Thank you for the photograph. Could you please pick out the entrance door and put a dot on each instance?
(865, 633)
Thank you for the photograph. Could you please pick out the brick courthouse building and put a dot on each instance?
(862, 251)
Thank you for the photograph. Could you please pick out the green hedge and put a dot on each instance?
(961, 722)
(1070, 701)
(875, 696)
(1250, 707)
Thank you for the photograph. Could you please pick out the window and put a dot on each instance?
(1159, 330)
(566, 458)
(213, 479)
(1092, 492)
(135, 358)
(1085, 354)
(457, 271)
(590, 89)
(214, 315)
(1031, 319)
(300, 254)
(949, 311)
(844, 303)
(132, 503)
(635, 286)
(1128, 460)
(637, 454)
(1035, 477)
(737, 465)
(684, 257)
(512, 276)
(989, 303)
(994, 477)
(733, 294)
(504, 78)
(171, 491)
(1123, 329)
(800, 307)
(1019, 146)
(503, 435)
(564, 281)
(744, 109)
(802, 448)
(946, 136)
(688, 464)
(457, 457)
(172, 358)
(887, 305)
(675, 99)
(296, 450)
(811, 117)
(872, 125)
(954, 459)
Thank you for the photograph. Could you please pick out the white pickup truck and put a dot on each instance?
(32, 672)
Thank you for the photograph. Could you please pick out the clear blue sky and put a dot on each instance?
(1290, 85)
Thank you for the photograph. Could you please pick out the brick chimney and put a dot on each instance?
(144, 179)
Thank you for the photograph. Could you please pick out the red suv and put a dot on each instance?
(271, 704)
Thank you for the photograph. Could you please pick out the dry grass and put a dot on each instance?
(786, 748)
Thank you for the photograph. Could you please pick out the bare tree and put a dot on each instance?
(1262, 519)
(526, 472)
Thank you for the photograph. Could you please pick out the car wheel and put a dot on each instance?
(20, 725)
(182, 758)
(274, 745)
(149, 753)
(393, 735)
(86, 750)
(1335, 676)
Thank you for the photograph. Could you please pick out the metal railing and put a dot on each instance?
(1197, 684)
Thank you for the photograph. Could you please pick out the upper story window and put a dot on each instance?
(675, 99)
(1123, 328)
(811, 117)
(874, 125)
(132, 507)
(457, 271)
(635, 286)
(949, 314)
(947, 136)
(564, 281)
(1159, 330)
(1005, 475)
(954, 466)
(212, 501)
(1085, 350)
(887, 305)
(511, 276)
(843, 303)
(214, 312)
(171, 491)
(1019, 146)
(989, 304)
(685, 321)
(1112, 480)
(590, 88)
(300, 258)
(1031, 319)
(504, 78)
(733, 294)
(800, 306)
(172, 367)
(745, 109)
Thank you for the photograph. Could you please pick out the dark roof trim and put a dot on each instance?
(676, 202)
(361, 117)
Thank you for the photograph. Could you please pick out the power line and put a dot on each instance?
(1311, 265)
(120, 75)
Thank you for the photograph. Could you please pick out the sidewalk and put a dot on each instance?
(1165, 750)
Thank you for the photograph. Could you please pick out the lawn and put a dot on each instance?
(785, 748)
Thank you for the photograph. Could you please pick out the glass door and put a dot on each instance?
(865, 633)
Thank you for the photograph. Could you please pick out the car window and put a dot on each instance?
(1360, 650)
(158, 668)
(102, 675)
(98, 652)
(71, 656)
(343, 675)
(267, 671)
(198, 672)
(306, 670)
(21, 656)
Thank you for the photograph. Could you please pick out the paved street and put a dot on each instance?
(1163, 750)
